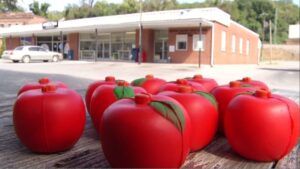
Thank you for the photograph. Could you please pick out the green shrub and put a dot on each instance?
(2, 47)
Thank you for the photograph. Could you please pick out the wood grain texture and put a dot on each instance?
(87, 153)
(290, 161)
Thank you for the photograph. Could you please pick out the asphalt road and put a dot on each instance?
(281, 76)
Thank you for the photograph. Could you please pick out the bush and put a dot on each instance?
(3, 46)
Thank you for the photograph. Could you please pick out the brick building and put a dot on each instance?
(19, 18)
(9, 19)
(168, 36)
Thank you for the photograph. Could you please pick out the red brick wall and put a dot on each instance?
(293, 42)
(19, 18)
(190, 56)
(33, 40)
(227, 56)
(74, 44)
(12, 42)
(148, 43)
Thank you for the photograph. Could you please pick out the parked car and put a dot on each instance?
(30, 53)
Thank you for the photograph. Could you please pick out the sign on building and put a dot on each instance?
(50, 25)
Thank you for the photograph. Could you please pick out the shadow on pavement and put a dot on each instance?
(11, 81)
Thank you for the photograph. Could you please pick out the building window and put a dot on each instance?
(233, 44)
(26, 41)
(181, 42)
(241, 45)
(197, 43)
(223, 41)
(247, 47)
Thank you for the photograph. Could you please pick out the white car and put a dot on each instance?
(29, 53)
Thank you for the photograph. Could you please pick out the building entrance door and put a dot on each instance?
(103, 50)
(161, 46)
(161, 50)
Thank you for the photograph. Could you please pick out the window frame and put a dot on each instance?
(247, 47)
(182, 38)
(223, 41)
(233, 43)
(241, 45)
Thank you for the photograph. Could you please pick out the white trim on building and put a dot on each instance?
(157, 19)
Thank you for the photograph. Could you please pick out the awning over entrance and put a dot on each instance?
(154, 20)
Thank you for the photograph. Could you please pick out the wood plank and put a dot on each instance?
(219, 155)
(290, 161)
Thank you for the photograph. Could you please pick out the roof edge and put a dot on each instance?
(245, 28)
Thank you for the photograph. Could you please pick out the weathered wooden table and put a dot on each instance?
(87, 153)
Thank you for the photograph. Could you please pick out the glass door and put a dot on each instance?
(161, 46)
(164, 50)
(106, 50)
(103, 50)
(103, 46)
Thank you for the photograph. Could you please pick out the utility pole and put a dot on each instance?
(140, 35)
(96, 43)
(270, 32)
(263, 15)
(61, 45)
(275, 28)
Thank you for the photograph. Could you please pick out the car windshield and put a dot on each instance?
(19, 48)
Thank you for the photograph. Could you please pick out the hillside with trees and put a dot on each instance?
(254, 14)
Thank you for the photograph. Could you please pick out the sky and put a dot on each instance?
(59, 5)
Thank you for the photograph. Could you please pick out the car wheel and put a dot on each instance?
(26, 59)
(55, 59)
(15, 61)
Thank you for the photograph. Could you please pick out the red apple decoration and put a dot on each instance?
(248, 82)
(38, 85)
(92, 87)
(202, 109)
(174, 86)
(49, 120)
(149, 83)
(145, 132)
(105, 95)
(262, 126)
(207, 83)
(224, 94)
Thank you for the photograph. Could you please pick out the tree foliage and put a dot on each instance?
(254, 14)
(2, 46)
(9, 5)
(37, 9)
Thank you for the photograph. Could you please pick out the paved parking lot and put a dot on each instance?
(282, 76)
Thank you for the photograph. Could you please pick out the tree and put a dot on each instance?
(159, 5)
(55, 15)
(103, 8)
(2, 46)
(249, 13)
(9, 5)
(37, 9)
(129, 6)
